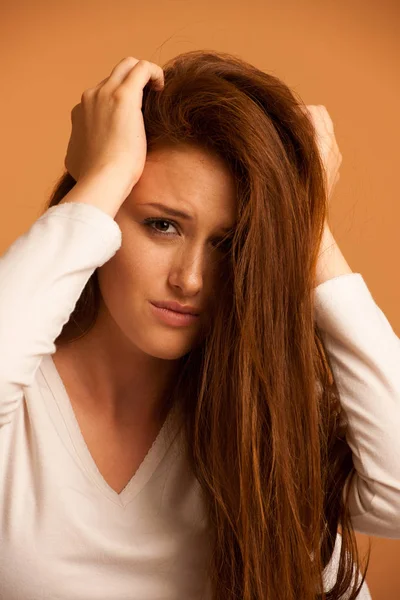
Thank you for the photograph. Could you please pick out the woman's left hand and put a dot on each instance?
(327, 144)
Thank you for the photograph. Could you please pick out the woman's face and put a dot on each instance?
(169, 258)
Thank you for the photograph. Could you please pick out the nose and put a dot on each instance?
(188, 270)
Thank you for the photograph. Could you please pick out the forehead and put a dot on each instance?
(191, 179)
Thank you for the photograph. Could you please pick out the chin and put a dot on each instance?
(167, 352)
(158, 343)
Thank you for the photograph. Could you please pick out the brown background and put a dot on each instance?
(342, 54)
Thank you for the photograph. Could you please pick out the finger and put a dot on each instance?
(121, 70)
(118, 74)
(141, 74)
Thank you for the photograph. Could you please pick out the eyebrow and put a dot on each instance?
(173, 212)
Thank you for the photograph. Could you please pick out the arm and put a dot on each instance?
(42, 275)
(331, 262)
(365, 357)
(364, 353)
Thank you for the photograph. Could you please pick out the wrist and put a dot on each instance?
(331, 262)
(101, 188)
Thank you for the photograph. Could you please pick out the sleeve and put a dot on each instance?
(365, 357)
(42, 275)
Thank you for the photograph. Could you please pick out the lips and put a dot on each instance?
(176, 307)
(173, 318)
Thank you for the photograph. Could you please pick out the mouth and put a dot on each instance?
(179, 308)
(172, 317)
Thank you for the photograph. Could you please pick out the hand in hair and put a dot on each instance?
(107, 125)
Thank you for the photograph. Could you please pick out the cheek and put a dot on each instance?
(139, 272)
(127, 282)
(136, 273)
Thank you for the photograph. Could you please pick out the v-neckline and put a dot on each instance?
(146, 468)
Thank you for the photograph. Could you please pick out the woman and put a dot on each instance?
(147, 453)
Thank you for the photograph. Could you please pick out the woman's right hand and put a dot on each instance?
(108, 131)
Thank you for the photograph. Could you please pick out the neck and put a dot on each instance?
(114, 378)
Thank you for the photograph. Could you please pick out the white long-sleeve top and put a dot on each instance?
(65, 534)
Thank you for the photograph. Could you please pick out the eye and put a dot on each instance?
(150, 222)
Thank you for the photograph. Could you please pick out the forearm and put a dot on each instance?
(331, 262)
